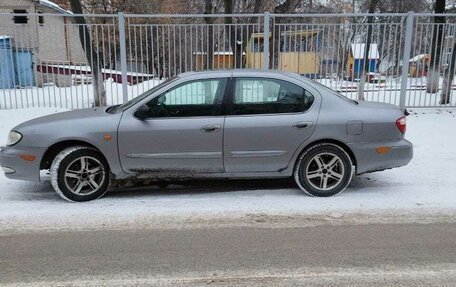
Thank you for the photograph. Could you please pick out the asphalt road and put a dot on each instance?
(358, 255)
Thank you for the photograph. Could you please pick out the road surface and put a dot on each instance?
(350, 255)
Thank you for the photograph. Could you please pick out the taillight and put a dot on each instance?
(401, 124)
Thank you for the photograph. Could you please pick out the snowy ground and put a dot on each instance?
(421, 191)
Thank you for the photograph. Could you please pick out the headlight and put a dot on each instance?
(13, 138)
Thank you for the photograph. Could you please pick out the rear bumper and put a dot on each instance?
(17, 168)
(369, 160)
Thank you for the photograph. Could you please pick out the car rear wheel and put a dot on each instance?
(80, 174)
(323, 170)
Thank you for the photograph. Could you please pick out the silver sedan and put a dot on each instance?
(218, 124)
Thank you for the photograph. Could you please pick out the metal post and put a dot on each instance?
(406, 59)
(123, 55)
(266, 40)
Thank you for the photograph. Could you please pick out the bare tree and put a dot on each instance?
(288, 6)
(235, 47)
(432, 83)
(234, 32)
(93, 59)
(209, 9)
(403, 6)
(366, 60)
(448, 76)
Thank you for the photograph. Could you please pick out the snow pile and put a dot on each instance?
(426, 186)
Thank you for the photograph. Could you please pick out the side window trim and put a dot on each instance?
(221, 107)
(230, 97)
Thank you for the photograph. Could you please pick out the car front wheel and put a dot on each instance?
(80, 174)
(323, 170)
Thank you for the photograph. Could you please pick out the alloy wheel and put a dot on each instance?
(325, 171)
(84, 175)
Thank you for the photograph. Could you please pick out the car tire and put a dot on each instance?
(80, 174)
(323, 170)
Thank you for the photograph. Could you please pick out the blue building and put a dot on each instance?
(16, 65)
(7, 80)
(356, 60)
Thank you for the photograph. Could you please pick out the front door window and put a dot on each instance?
(199, 98)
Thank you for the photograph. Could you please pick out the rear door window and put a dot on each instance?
(268, 96)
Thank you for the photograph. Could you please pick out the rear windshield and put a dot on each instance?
(327, 89)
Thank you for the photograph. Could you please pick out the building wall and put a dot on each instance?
(24, 35)
(59, 40)
(55, 40)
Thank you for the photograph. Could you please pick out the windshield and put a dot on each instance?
(137, 99)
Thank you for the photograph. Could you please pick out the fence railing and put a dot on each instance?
(55, 60)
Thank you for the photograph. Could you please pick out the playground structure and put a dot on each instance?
(298, 52)
(419, 65)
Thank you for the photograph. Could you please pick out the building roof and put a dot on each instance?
(419, 57)
(53, 6)
(301, 33)
(218, 53)
(358, 51)
(298, 33)
(214, 53)
(258, 35)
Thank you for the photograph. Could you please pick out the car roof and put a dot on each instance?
(244, 73)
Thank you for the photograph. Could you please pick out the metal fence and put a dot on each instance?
(52, 60)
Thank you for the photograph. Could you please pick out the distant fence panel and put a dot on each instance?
(52, 60)
(332, 50)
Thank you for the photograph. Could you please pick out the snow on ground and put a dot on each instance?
(424, 188)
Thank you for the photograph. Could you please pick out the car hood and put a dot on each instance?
(88, 125)
(66, 116)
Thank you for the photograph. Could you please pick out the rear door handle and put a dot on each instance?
(302, 125)
(210, 128)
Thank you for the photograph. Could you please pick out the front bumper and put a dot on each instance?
(369, 160)
(17, 168)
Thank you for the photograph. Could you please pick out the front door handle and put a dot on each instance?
(210, 128)
(302, 125)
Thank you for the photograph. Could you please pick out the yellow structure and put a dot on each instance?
(255, 51)
(298, 52)
(220, 60)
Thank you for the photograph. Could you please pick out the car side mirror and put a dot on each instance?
(142, 112)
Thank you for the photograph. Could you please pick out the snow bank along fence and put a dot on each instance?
(54, 60)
